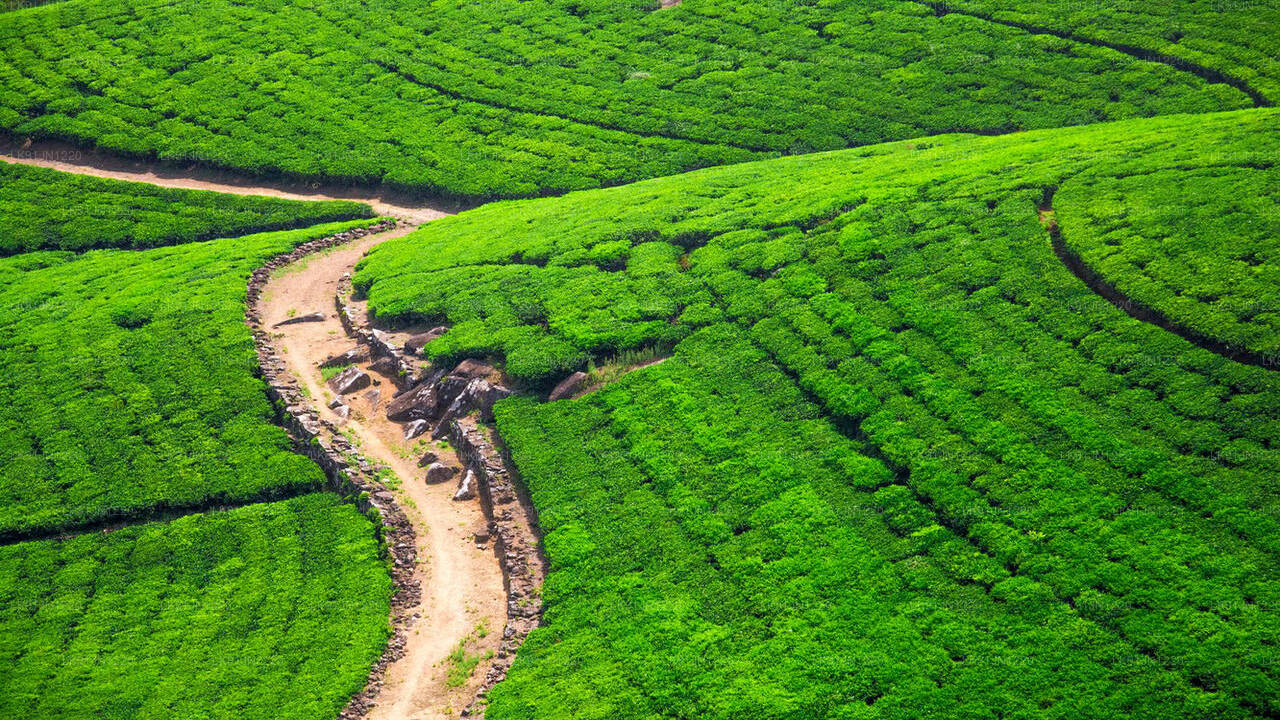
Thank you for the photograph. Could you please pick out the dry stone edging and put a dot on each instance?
(349, 473)
(445, 399)
(516, 544)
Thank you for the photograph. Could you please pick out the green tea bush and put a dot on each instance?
(910, 466)
(266, 611)
(1196, 245)
(511, 97)
(130, 384)
(49, 210)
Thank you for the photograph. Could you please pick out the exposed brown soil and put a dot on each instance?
(462, 584)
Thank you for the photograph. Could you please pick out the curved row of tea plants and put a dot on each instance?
(1205, 33)
(903, 462)
(44, 209)
(130, 384)
(266, 611)
(1196, 245)
(516, 98)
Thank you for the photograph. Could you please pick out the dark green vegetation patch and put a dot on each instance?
(511, 97)
(48, 210)
(266, 611)
(130, 384)
(902, 462)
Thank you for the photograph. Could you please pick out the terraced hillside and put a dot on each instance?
(902, 461)
(132, 397)
(516, 98)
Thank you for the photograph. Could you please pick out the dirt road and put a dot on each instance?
(463, 599)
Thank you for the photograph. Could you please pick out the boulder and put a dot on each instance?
(427, 459)
(475, 369)
(416, 428)
(415, 343)
(309, 317)
(439, 472)
(466, 488)
(374, 397)
(386, 365)
(414, 404)
(357, 354)
(349, 381)
(568, 387)
(478, 394)
(336, 403)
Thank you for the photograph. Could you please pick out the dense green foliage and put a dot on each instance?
(129, 379)
(1235, 37)
(266, 611)
(49, 210)
(903, 463)
(514, 97)
(1197, 245)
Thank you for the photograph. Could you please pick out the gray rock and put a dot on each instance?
(343, 412)
(336, 403)
(466, 488)
(375, 399)
(415, 404)
(438, 473)
(415, 343)
(309, 317)
(416, 428)
(349, 381)
(568, 387)
(386, 365)
(427, 459)
(478, 394)
(357, 354)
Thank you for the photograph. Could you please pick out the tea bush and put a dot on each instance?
(1197, 245)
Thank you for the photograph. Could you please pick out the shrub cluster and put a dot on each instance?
(49, 210)
(265, 611)
(512, 97)
(902, 461)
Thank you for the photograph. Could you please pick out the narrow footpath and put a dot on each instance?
(463, 605)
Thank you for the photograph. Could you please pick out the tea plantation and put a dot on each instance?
(1197, 245)
(265, 611)
(130, 391)
(517, 97)
(130, 384)
(48, 210)
(902, 462)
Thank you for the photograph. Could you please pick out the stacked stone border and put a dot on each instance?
(349, 473)
(511, 517)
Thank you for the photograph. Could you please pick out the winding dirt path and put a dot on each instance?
(57, 155)
(463, 598)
